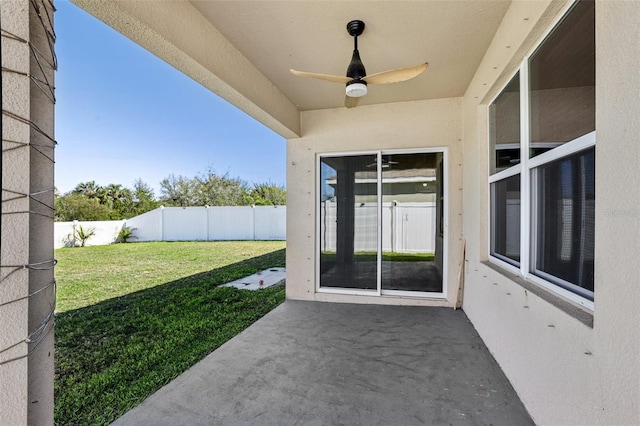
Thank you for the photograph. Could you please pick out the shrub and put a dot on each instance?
(83, 235)
(126, 234)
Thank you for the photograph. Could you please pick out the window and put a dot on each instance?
(565, 212)
(542, 167)
(562, 82)
(505, 220)
(504, 116)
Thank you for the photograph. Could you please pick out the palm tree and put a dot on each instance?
(88, 189)
(84, 234)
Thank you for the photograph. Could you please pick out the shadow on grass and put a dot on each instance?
(112, 355)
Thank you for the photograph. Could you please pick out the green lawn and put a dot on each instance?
(362, 256)
(132, 317)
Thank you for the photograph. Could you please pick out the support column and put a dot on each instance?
(27, 287)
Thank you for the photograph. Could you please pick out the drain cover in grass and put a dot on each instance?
(263, 279)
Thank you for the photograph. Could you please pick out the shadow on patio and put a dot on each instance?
(328, 363)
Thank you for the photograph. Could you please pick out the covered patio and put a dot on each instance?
(332, 363)
(530, 276)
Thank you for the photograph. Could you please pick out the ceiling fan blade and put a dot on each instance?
(395, 76)
(350, 102)
(325, 77)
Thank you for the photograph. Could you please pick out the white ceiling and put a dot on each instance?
(451, 36)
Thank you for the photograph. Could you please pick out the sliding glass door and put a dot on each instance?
(349, 222)
(412, 222)
(381, 223)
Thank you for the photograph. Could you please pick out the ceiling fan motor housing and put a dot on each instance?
(357, 87)
(356, 69)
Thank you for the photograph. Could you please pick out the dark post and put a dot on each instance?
(346, 216)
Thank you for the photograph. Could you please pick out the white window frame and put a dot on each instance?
(577, 145)
(338, 290)
(513, 171)
(504, 174)
(527, 168)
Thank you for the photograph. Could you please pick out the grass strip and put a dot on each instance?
(88, 275)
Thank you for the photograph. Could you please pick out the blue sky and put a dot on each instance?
(123, 114)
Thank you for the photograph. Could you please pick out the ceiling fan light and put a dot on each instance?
(356, 90)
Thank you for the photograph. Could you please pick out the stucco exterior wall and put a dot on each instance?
(407, 125)
(565, 371)
(27, 296)
(14, 246)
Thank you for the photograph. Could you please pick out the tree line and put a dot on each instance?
(90, 201)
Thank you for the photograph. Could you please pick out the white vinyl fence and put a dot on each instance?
(187, 224)
(406, 227)
(106, 232)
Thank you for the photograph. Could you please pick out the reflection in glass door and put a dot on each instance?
(349, 222)
(412, 228)
(381, 223)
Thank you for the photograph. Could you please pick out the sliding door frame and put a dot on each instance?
(318, 183)
(379, 195)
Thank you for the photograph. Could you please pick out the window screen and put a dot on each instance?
(562, 80)
(505, 220)
(504, 127)
(348, 222)
(565, 211)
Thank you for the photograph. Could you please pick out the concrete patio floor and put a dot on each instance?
(309, 363)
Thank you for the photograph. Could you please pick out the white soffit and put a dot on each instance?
(452, 36)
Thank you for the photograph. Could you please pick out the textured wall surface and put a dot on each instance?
(27, 294)
(14, 244)
(404, 125)
(566, 372)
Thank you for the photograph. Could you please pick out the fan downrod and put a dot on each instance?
(355, 28)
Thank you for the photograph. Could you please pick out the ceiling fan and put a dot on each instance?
(357, 78)
(385, 163)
